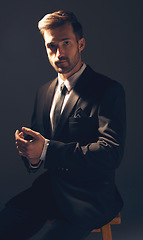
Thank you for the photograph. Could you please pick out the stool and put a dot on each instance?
(106, 229)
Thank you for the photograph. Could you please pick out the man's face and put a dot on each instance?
(63, 49)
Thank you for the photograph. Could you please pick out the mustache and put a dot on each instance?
(62, 58)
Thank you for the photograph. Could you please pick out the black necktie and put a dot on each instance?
(58, 106)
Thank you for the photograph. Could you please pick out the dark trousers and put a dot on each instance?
(25, 215)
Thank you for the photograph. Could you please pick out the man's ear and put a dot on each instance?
(81, 43)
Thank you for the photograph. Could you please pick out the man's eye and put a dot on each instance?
(51, 46)
(66, 43)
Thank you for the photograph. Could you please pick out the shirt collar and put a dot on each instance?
(71, 81)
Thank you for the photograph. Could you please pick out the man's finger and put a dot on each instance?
(30, 132)
(21, 135)
(22, 153)
(21, 148)
(16, 134)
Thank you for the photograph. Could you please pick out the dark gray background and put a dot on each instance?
(114, 47)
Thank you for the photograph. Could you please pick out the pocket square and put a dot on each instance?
(79, 113)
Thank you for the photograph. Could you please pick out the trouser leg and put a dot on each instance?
(17, 224)
(26, 213)
(64, 230)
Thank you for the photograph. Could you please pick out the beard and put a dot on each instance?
(65, 65)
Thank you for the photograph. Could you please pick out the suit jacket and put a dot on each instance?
(86, 149)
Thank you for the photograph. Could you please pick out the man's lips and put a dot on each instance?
(61, 61)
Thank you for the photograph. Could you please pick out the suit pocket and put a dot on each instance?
(83, 130)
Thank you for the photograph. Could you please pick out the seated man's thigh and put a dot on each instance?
(63, 230)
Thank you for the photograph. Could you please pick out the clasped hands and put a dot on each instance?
(31, 149)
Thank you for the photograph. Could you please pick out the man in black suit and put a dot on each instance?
(77, 134)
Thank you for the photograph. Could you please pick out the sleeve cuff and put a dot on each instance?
(35, 166)
(43, 154)
(42, 157)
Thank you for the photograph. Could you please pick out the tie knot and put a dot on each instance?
(63, 89)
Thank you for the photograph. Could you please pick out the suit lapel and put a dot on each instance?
(67, 111)
(47, 108)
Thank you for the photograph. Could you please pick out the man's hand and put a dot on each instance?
(30, 149)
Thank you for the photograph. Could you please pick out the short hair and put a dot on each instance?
(59, 18)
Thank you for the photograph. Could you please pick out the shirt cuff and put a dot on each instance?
(43, 154)
(35, 166)
(42, 157)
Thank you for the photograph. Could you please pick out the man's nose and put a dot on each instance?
(60, 52)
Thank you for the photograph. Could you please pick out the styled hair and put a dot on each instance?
(58, 19)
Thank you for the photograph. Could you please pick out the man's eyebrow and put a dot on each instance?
(53, 42)
(63, 39)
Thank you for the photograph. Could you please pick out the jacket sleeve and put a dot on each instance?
(102, 156)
